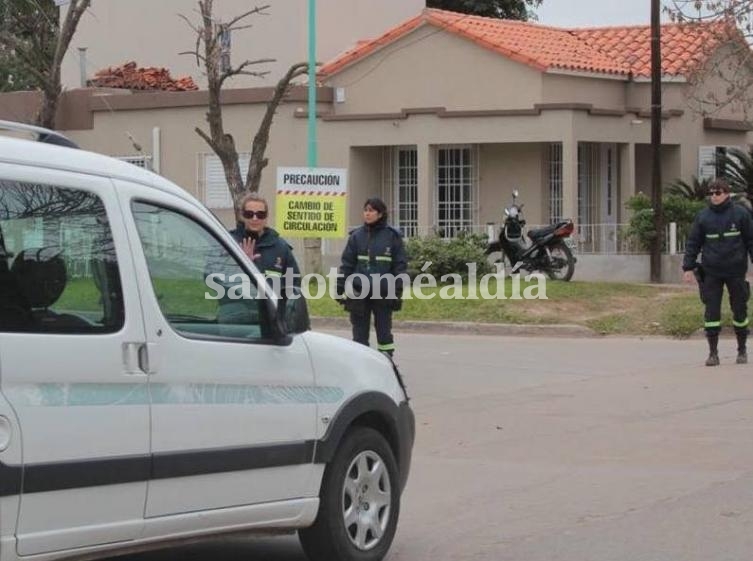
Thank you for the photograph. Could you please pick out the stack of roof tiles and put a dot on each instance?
(129, 76)
(622, 51)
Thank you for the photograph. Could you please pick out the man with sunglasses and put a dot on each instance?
(723, 234)
(271, 254)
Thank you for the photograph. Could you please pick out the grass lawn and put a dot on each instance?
(608, 308)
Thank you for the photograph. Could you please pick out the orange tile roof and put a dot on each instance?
(621, 51)
(683, 46)
(129, 76)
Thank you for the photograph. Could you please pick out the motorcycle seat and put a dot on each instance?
(542, 232)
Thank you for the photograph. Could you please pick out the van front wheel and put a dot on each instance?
(359, 502)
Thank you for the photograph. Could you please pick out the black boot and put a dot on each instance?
(742, 351)
(713, 359)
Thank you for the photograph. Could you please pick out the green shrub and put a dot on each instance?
(676, 209)
(447, 256)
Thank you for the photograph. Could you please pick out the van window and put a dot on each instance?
(180, 255)
(58, 266)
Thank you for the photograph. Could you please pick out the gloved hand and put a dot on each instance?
(396, 304)
(345, 303)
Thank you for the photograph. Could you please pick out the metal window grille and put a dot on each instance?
(140, 161)
(554, 170)
(406, 189)
(456, 189)
(588, 182)
(611, 178)
(213, 188)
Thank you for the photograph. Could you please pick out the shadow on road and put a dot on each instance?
(283, 548)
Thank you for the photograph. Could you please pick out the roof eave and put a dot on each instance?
(666, 78)
(619, 76)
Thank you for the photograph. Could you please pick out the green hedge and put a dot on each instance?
(447, 256)
(676, 209)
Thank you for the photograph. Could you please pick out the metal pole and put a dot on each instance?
(656, 106)
(312, 148)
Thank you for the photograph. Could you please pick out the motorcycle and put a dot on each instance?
(547, 250)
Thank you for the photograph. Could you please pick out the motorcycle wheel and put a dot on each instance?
(563, 263)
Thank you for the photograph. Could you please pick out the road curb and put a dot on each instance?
(467, 328)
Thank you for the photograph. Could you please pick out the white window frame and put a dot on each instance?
(210, 177)
(142, 161)
(464, 158)
(709, 159)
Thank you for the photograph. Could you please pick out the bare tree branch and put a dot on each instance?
(206, 138)
(720, 79)
(240, 69)
(199, 57)
(257, 10)
(259, 147)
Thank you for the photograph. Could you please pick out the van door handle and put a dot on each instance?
(132, 359)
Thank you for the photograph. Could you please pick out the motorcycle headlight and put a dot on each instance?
(513, 211)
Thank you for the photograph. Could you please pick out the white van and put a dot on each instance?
(134, 414)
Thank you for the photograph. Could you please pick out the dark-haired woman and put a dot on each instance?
(375, 248)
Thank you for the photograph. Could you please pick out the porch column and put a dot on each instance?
(570, 179)
(627, 177)
(425, 193)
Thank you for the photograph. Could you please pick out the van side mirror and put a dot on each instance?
(296, 313)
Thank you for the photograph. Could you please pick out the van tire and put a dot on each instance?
(358, 482)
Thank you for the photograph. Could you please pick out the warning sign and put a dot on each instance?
(311, 202)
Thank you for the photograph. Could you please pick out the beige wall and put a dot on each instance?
(603, 93)
(670, 167)
(504, 168)
(428, 68)
(151, 33)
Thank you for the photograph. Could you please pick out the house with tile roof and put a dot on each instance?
(444, 115)
(482, 106)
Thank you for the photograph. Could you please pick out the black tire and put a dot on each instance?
(564, 262)
(329, 539)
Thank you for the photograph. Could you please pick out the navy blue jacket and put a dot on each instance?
(275, 254)
(723, 234)
(374, 249)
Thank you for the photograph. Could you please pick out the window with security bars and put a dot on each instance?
(140, 161)
(588, 181)
(406, 190)
(554, 174)
(212, 183)
(456, 185)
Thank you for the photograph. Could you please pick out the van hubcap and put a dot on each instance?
(366, 500)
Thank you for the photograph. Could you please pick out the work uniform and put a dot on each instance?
(375, 249)
(275, 255)
(723, 234)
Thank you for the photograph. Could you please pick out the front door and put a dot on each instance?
(233, 413)
(70, 336)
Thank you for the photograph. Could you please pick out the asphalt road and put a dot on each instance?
(542, 449)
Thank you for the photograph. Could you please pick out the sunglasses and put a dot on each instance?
(716, 193)
(260, 214)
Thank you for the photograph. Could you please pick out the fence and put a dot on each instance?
(596, 239)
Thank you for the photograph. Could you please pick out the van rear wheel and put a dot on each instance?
(359, 502)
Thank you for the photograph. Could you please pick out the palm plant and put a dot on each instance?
(738, 170)
(696, 190)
